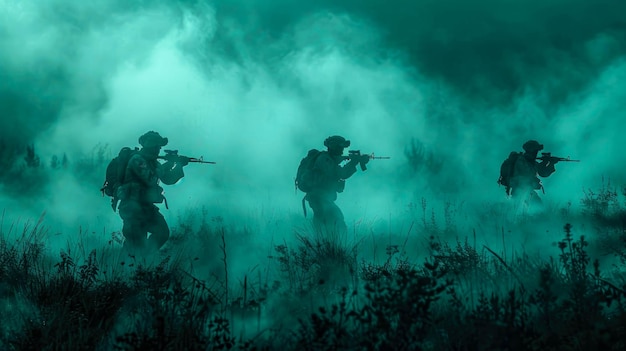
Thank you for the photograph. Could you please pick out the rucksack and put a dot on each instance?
(305, 179)
(115, 173)
(506, 170)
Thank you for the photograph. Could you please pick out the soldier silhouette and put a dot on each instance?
(140, 191)
(525, 180)
(327, 177)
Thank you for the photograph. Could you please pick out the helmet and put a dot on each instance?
(532, 145)
(336, 141)
(152, 139)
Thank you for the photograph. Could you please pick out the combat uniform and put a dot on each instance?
(138, 195)
(330, 180)
(525, 181)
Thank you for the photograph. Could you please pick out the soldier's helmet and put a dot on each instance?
(152, 139)
(336, 141)
(532, 146)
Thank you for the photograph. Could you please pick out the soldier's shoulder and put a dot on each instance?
(323, 154)
(520, 158)
(137, 157)
(323, 157)
(137, 160)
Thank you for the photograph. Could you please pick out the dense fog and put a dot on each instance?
(254, 85)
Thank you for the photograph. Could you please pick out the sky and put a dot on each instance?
(253, 85)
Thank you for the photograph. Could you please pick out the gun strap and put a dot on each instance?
(114, 202)
(165, 201)
(304, 205)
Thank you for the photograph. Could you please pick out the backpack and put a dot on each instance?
(305, 181)
(506, 170)
(115, 172)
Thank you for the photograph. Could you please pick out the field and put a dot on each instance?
(434, 288)
(440, 275)
(436, 256)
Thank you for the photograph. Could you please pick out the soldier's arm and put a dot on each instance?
(545, 169)
(140, 168)
(170, 172)
(348, 169)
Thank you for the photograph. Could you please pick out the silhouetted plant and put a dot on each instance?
(299, 266)
(394, 314)
(73, 309)
(22, 174)
(601, 203)
(20, 259)
(421, 160)
(573, 255)
(175, 313)
(31, 158)
(55, 163)
(90, 167)
(459, 260)
(320, 258)
(371, 272)
(459, 299)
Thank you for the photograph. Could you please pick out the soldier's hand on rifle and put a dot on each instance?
(354, 158)
(364, 159)
(182, 161)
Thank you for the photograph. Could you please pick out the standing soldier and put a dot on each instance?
(325, 178)
(140, 191)
(524, 179)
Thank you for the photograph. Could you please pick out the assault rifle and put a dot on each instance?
(173, 156)
(547, 157)
(356, 154)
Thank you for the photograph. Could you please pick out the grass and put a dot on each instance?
(457, 291)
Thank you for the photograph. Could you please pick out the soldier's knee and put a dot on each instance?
(164, 233)
(160, 235)
(134, 242)
(338, 214)
(133, 230)
(130, 209)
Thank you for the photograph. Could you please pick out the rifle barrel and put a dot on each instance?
(189, 159)
(200, 160)
(557, 159)
(371, 156)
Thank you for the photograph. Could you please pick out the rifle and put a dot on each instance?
(173, 156)
(356, 154)
(547, 157)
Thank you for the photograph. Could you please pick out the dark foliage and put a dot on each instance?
(459, 298)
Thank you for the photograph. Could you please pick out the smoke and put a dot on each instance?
(446, 88)
(253, 85)
(487, 50)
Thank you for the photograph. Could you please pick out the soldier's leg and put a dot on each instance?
(534, 199)
(535, 204)
(329, 218)
(527, 201)
(318, 212)
(133, 229)
(158, 228)
(521, 195)
(335, 221)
